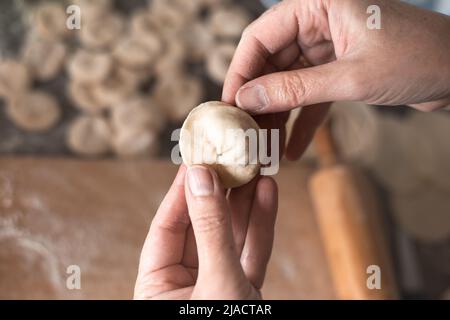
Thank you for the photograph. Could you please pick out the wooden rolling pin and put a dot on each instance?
(351, 226)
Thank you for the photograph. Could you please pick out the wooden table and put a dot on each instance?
(95, 214)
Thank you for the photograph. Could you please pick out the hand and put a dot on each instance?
(302, 53)
(204, 245)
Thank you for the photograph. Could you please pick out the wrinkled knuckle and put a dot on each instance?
(208, 222)
(294, 90)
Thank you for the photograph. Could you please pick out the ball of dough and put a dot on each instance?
(35, 111)
(136, 53)
(198, 41)
(89, 67)
(102, 33)
(139, 113)
(143, 23)
(216, 134)
(45, 59)
(93, 9)
(229, 22)
(219, 61)
(83, 97)
(89, 136)
(116, 88)
(49, 21)
(189, 8)
(133, 143)
(169, 20)
(177, 94)
(171, 61)
(15, 79)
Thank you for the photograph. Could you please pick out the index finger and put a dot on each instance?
(274, 31)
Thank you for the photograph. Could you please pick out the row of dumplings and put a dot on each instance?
(126, 74)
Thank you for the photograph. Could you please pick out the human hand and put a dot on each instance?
(302, 53)
(204, 245)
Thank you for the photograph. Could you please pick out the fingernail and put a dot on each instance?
(200, 181)
(254, 98)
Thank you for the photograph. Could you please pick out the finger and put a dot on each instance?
(259, 241)
(433, 105)
(305, 126)
(190, 258)
(257, 45)
(285, 57)
(164, 245)
(210, 218)
(288, 90)
(240, 201)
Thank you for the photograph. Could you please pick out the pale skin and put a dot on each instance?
(204, 245)
(298, 54)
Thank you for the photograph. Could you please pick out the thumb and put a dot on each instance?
(211, 222)
(288, 90)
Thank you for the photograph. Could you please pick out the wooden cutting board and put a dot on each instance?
(95, 214)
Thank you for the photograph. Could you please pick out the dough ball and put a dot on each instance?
(89, 67)
(219, 60)
(138, 113)
(102, 33)
(177, 94)
(214, 134)
(135, 142)
(168, 19)
(136, 53)
(34, 111)
(15, 79)
(92, 10)
(119, 86)
(83, 97)
(198, 41)
(171, 61)
(89, 136)
(45, 59)
(228, 22)
(49, 21)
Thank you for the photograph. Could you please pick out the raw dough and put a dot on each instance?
(178, 95)
(116, 88)
(83, 97)
(134, 53)
(89, 67)
(205, 131)
(44, 58)
(89, 136)
(102, 33)
(138, 113)
(218, 61)
(132, 143)
(229, 22)
(15, 79)
(34, 111)
(49, 21)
